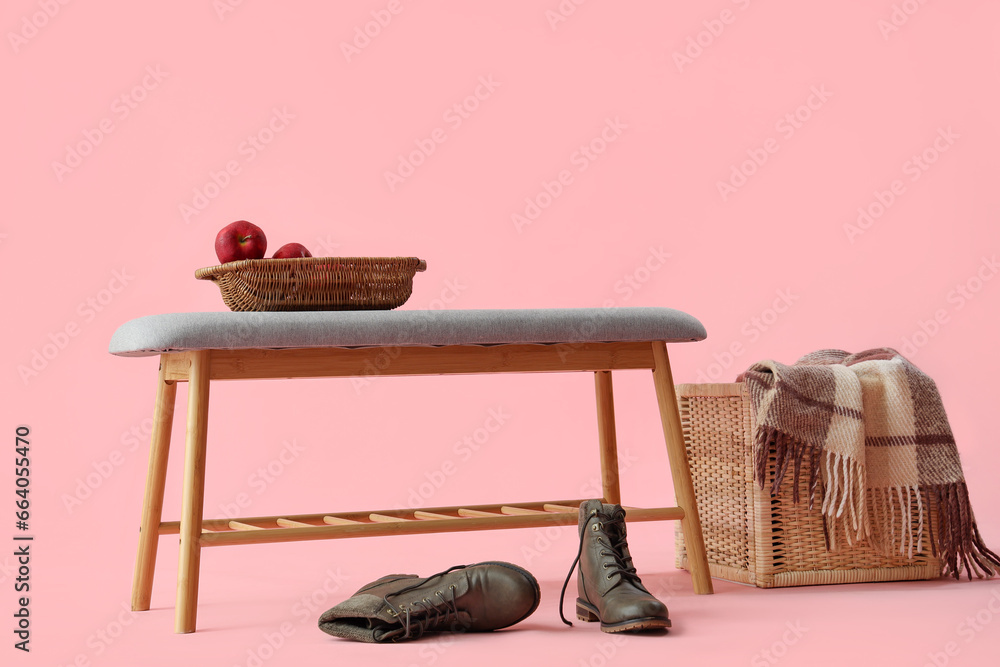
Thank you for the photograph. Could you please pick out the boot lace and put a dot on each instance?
(614, 526)
(428, 613)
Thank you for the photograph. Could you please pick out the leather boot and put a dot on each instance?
(465, 598)
(609, 589)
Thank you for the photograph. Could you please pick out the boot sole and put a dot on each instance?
(588, 612)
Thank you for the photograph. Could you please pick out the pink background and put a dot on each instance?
(87, 247)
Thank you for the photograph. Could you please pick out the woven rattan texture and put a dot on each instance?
(315, 283)
(755, 538)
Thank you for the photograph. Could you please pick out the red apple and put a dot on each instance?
(290, 250)
(240, 240)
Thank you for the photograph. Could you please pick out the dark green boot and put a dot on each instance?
(465, 598)
(609, 589)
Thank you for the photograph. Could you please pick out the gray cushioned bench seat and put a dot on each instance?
(175, 332)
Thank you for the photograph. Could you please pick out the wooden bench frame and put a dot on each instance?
(200, 367)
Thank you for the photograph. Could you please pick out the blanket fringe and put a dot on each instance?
(890, 535)
(843, 497)
(959, 544)
(788, 451)
(882, 517)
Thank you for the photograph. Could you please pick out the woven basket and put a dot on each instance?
(315, 283)
(753, 537)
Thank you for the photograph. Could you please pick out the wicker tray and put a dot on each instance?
(753, 537)
(315, 283)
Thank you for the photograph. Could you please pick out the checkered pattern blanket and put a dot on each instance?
(880, 451)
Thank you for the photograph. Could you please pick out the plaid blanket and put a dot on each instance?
(880, 451)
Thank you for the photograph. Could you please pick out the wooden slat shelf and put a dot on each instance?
(362, 516)
(420, 514)
(507, 509)
(339, 520)
(237, 525)
(557, 507)
(259, 530)
(462, 512)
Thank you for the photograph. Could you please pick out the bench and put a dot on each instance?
(199, 348)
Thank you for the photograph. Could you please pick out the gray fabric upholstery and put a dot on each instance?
(174, 332)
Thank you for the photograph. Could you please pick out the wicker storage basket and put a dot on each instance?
(753, 537)
(315, 283)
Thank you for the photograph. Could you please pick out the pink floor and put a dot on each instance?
(259, 607)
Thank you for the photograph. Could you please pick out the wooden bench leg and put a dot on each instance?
(680, 470)
(193, 499)
(606, 431)
(152, 504)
